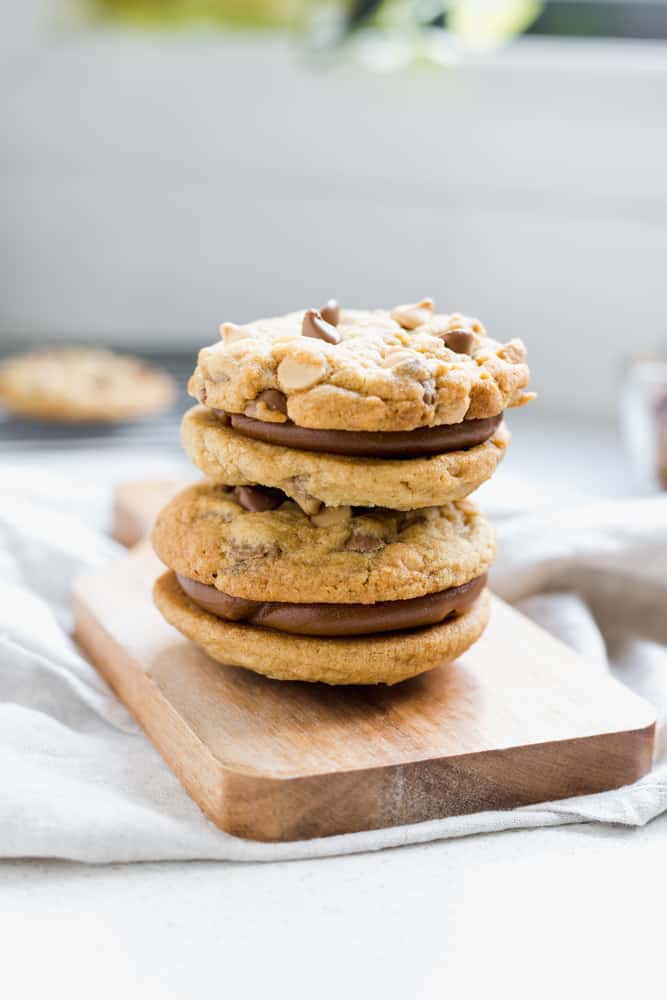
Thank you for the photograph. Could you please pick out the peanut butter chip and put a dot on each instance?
(230, 333)
(315, 326)
(413, 315)
(330, 313)
(330, 517)
(295, 374)
(309, 505)
(460, 341)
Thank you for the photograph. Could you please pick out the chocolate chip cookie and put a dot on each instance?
(345, 596)
(83, 384)
(407, 370)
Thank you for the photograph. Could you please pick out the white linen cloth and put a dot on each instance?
(79, 780)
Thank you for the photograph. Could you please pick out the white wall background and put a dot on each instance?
(154, 186)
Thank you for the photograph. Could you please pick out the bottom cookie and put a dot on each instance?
(373, 659)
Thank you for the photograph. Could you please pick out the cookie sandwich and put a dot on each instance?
(344, 596)
(399, 409)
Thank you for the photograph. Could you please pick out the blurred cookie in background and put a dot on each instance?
(83, 385)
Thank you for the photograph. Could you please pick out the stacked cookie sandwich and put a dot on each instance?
(331, 540)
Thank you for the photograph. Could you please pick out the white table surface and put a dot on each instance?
(535, 912)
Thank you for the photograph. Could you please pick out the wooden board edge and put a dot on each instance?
(396, 795)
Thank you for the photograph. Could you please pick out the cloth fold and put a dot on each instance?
(80, 781)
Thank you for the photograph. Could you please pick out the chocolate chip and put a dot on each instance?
(273, 399)
(460, 341)
(259, 498)
(314, 326)
(330, 313)
(245, 551)
(363, 542)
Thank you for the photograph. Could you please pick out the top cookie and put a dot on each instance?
(83, 384)
(366, 371)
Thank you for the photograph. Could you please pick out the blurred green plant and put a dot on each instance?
(182, 13)
(384, 33)
(388, 35)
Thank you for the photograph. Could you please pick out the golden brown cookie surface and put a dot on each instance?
(388, 371)
(225, 456)
(340, 555)
(382, 659)
(72, 384)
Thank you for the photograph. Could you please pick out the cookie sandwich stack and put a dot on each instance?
(330, 540)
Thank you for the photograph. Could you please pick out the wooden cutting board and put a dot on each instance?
(518, 719)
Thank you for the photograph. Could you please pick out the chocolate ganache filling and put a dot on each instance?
(336, 620)
(420, 443)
